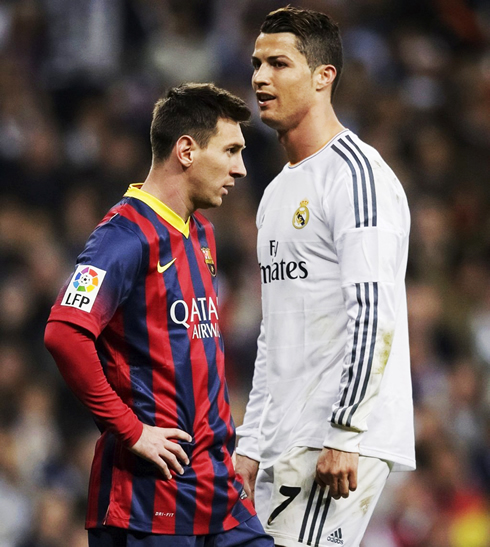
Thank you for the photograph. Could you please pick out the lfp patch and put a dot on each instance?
(83, 287)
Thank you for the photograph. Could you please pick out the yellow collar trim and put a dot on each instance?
(134, 191)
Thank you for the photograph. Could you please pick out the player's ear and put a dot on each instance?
(184, 150)
(324, 76)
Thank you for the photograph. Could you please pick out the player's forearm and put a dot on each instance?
(371, 329)
(76, 357)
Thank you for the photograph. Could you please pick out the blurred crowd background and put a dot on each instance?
(78, 80)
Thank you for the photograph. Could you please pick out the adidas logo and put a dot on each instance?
(336, 537)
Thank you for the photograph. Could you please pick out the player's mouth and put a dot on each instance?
(225, 188)
(264, 98)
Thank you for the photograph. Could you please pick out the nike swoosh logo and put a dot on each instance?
(161, 269)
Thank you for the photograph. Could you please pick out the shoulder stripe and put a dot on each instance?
(356, 379)
(363, 180)
(354, 183)
(371, 181)
(362, 173)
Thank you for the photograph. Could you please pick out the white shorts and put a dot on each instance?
(296, 511)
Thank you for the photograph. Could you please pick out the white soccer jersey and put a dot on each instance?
(333, 365)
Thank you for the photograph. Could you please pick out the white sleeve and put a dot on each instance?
(370, 241)
(249, 430)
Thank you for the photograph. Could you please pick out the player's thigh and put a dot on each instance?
(301, 512)
(247, 534)
(117, 537)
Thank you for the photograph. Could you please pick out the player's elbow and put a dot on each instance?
(59, 339)
(50, 337)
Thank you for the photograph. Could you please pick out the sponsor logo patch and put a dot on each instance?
(198, 316)
(83, 287)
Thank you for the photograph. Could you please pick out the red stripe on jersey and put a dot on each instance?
(223, 407)
(159, 346)
(201, 462)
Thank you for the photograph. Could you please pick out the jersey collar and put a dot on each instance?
(134, 191)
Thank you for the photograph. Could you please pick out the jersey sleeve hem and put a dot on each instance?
(345, 440)
(249, 447)
(132, 437)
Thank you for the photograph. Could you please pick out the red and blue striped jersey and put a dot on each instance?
(145, 286)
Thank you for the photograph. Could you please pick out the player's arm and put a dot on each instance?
(248, 457)
(114, 253)
(369, 249)
(74, 352)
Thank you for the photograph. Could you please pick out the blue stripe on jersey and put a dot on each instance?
(203, 240)
(363, 180)
(105, 477)
(214, 384)
(361, 365)
(353, 154)
(354, 183)
(184, 393)
(371, 181)
(180, 348)
(141, 378)
(232, 442)
(102, 357)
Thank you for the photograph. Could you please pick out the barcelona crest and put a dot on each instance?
(208, 258)
(301, 215)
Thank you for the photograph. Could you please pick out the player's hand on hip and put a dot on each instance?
(338, 471)
(247, 469)
(158, 445)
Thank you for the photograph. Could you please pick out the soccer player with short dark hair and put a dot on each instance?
(330, 413)
(135, 333)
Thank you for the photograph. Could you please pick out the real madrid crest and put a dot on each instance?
(208, 258)
(301, 215)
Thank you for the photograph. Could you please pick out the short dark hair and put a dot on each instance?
(317, 36)
(194, 110)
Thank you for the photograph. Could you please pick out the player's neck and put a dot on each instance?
(310, 135)
(167, 187)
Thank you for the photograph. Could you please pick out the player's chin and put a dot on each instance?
(269, 119)
(210, 203)
(216, 202)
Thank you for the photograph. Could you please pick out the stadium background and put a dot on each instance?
(77, 85)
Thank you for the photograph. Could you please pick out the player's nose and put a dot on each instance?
(238, 169)
(261, 76)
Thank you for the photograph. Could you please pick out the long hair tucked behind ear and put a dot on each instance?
(194, 110)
